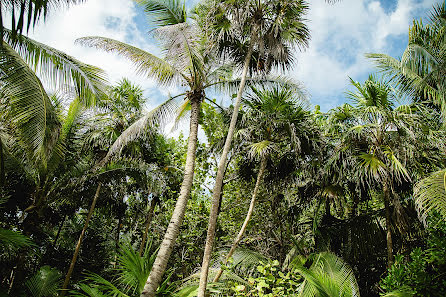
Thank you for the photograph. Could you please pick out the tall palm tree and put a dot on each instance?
(188, 61)
(378, 130)
(274, 121)
(258, 35)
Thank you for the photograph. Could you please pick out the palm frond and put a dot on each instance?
(61, 70)
(45, 283)
(157, 117)
(164, 12)
(327, 276)
(31, 109)
(430, 195)
(146, 63)
(12, 241)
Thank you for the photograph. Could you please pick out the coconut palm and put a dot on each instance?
(259, 36)
(274, 121)
(188, 61)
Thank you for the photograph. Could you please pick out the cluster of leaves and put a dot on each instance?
(422, 273)
(271, 282)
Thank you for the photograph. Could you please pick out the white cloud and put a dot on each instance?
(340, 36)
(107, 18)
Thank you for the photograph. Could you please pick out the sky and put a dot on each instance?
(341, 34)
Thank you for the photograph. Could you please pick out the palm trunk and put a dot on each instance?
(216, 194)
(149, 221)
(247, 219)
(2, 164)
(59, 230)
(388, 226)
(159, 266)
(79, 242)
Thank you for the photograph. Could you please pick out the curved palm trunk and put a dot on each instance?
(159, 266)
(149, 221)
(216, 194)
(79, 242)
(388, 226)
(247, 219)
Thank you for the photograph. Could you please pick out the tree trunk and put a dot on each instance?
(149, 221)
(79, 242)
(247, 219)
(388, 227)
(159, 266)
(219, 181)
(59, 230)
(2, 165)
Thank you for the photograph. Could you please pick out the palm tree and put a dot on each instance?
(421, 73)
(274, 121)
(375, 138)
(188, 61)
(258, 35)
(421, 70)
(123, 107)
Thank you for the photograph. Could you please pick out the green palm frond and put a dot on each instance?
(430, 194)
(61, 70)
(45, 283)
(99, 285)
(30, 107)
(398, 169)
(372, 167)
(327, 276)
(146, 63)
(157, 117)
(164, 12)
(134, 269)
(12, 241)
(262, 148)
(403, 292)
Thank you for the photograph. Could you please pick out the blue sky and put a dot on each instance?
(340, 36)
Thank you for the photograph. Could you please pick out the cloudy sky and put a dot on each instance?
(340, 35)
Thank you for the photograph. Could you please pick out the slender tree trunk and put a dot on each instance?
(2, 164)
(59, 230)
(247, 218)
(159, 266)
(148, 222)
(79, 242)
(219, 181)
(388, 227)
